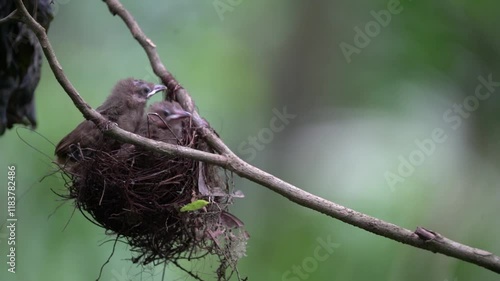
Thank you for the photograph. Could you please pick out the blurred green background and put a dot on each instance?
(357, 115)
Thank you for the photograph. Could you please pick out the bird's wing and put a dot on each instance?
(84, 133)
(111, 110)
(79, 135)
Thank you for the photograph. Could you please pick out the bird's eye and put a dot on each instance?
(166, 112)
(146, 90)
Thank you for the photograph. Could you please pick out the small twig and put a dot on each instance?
(12, 16)
(230, 161)
(109, 258)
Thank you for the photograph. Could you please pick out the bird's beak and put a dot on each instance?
(156, 89)
(178, 114)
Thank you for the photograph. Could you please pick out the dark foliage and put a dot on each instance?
(20, 64)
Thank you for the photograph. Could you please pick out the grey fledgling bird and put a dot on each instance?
(20, 64)
(163, 122)
(124, 106)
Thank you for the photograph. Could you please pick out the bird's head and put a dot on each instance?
(136, 91)
(168, 112)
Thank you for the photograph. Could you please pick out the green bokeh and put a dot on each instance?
(354, 121)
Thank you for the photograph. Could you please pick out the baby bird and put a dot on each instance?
(124, 106)
(163, 122)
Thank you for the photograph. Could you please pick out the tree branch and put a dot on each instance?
(12, 16)
(421, 238)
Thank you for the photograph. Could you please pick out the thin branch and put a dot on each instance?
(422, 238)
(12, 16)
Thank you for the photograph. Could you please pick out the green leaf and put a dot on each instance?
(193, 206)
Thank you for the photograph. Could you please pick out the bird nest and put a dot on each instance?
(166, 208)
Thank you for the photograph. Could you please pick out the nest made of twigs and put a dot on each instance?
(138, 195)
